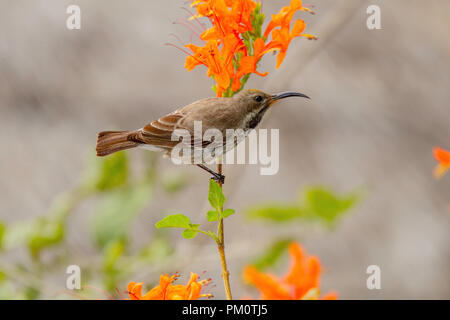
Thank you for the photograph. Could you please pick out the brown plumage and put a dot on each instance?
(243, 111)
(112, 141)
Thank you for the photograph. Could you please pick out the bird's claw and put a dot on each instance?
(219, 178)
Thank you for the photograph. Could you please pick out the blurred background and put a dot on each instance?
(380, 103)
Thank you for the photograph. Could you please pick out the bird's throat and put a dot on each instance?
(255, 118)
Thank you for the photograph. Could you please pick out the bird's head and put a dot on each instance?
(255, 100)
(255, 103)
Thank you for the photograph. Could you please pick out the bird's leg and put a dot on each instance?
(216, 176)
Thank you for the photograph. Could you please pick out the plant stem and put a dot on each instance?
(221, 248)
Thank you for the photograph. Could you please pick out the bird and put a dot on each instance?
(244, 111)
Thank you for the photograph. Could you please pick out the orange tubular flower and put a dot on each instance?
(242, 12)
(248, 64)
(218, 65)
(284, 17)
(166, 291)
(282, 38)
(234, 44)
(227, 17)
(300, 283)
(443, 158)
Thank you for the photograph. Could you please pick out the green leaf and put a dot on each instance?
(227, 213)
(31, 293)
(319, 203)
(46, 233)
(181, 221)
(117, 211)
(17, 235)
(2, 234)
(271, 255)
(215, 195)
(257, 20)
(192, 232)
(112, 253)
(212, 215)
(157, 250)
(275, 212)
(325, 205)
(109, 172)
(174, 221)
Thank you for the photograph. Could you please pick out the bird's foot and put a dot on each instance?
(219, 178)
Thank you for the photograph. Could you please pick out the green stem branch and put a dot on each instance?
(221, 249)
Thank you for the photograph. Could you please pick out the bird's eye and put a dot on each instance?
(258, 98)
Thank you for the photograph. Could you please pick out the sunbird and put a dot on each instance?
(244, 111)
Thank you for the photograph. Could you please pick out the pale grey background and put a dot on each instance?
(380, 102)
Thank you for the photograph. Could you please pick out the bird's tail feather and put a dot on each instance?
(112, 141)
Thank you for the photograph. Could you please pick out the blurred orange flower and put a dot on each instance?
(248, 64)
(443, 158)
(282, 38)
(300, 283)
(284, 17)
(227, 17)
(166, 291)
(218, 62)
(235, 43)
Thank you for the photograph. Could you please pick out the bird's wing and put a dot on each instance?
(163, 127)
(159, 132)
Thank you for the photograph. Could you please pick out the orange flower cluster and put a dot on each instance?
(300, 283)
(443, 158)
(235, 42)
(166, 291)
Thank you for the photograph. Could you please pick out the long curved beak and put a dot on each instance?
(283, 95)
